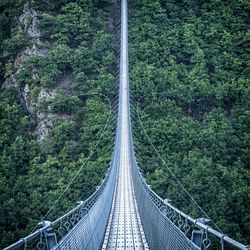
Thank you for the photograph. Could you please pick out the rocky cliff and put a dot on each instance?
(27, 22)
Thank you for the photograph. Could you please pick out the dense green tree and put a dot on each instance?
(65, 104)
(189, 68)
(33, 176)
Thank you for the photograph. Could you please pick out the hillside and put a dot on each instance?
(53, 56)
(189, 70)
(189, 81)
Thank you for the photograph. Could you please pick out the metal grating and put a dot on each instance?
(124, 230)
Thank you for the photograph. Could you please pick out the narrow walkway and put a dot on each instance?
(124, 229)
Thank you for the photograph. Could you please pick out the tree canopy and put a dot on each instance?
(189, 67)
(32, 176)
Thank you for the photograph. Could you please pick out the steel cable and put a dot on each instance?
(171, 172)
(85, 162)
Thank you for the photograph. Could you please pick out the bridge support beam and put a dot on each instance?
(50, 238)
(197, 235)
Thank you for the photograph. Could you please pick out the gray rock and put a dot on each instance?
(43, 95)
(32, 30)
(27, 23)
(43, 130)
(10, 82)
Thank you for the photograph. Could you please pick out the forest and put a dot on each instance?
(189, 85)
(80, 38)
(189, 78)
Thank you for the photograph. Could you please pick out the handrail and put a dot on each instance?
(90, 201)
(50, 225)
(166, 208)
(189, 218)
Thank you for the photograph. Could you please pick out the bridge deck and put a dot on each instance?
(124, 229)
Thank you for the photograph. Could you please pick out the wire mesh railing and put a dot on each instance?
(165, 226)
(82, 227)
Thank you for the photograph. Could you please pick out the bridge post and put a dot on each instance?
(83, 209)
(197, 235)
(50, 238)
(164, 207)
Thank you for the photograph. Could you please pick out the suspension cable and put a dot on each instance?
(85, 162)
(176, 179)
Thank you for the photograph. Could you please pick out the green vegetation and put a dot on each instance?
(190, 64)
(32, 176)
(11, 39)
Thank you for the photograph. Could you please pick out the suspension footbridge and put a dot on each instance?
(124, 230)
(124, 213)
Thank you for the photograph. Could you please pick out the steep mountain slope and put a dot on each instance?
(53, 55)
(190, 71)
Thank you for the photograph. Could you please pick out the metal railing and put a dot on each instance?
(160, 231)
(165, 226)
(82, 227)
(85, 225)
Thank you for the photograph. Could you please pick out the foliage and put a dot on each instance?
(32, 176)
(63, 104)
(190, 64)
(11, 40)
(23, 78)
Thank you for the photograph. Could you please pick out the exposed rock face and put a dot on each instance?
(23, 57)
(63, 85)
(26, 97)
(27, 23)
(10, 82)
(29, 20)
(43, 130)
(43, 95)
(34, 33)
